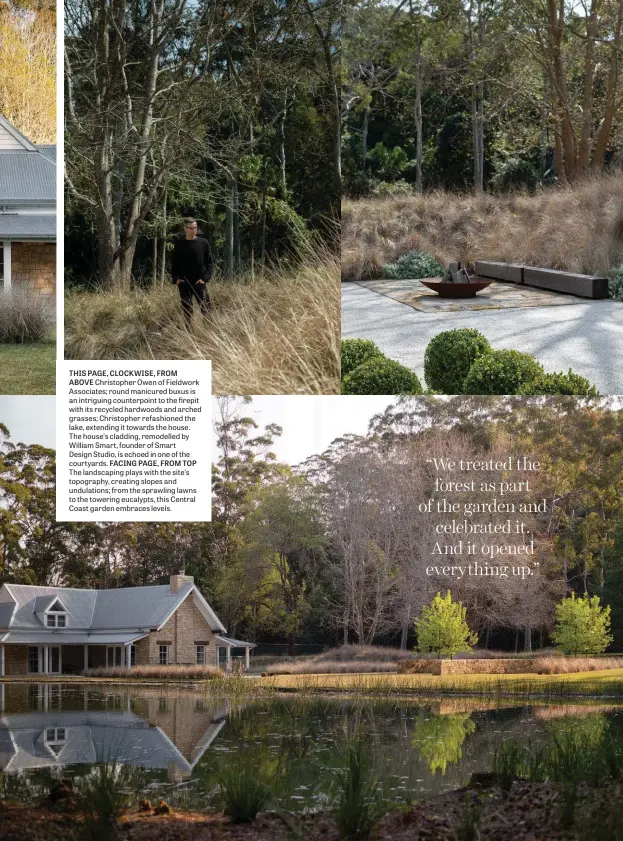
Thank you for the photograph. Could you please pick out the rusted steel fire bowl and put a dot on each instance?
(456, 290)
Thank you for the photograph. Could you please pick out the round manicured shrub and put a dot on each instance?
(413, 265)
(615, 284)
(381, 376)
(560, 383)
(449, 357)
(502, 372)
(357, 351)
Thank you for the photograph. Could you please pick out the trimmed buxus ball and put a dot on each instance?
(381, 376)
(355, 352)
(502, 372)
(449, 357)
(560, 383)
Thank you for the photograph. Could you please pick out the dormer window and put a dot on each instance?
(56, 616)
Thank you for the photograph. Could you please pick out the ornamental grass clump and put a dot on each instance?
(107, 792)
(357, 799)
(26, 316)
(449, 357)
(244, 791)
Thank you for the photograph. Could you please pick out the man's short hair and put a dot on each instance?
(189, 220)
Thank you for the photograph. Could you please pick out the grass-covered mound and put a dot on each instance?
(345, 659)
(578, 228)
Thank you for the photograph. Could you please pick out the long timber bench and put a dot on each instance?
(584, 286)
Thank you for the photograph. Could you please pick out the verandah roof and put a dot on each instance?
(56, 638)
(229, 642)
(17, 226)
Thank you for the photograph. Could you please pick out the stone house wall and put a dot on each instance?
(184, 630)
(33, 264)
(15, 659)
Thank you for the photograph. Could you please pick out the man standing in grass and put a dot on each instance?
(191, 269)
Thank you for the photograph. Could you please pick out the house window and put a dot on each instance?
(33, 660)
(56, 620)
(55, 739)
(133, 655)
(56, 616)
(163, 655)
(201, 655)
(1, 264)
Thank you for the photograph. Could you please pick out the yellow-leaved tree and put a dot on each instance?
(28, 77)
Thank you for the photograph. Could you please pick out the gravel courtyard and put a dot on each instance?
(586, 336)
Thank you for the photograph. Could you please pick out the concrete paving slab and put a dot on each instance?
(585, 336)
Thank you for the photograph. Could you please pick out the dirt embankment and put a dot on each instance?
(527, 812)
(575, 228)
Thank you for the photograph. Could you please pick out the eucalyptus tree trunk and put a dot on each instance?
(229, 226)
(163, 255)
(476, 42)
(544, 127)
(116, 126)
(282, 147)
(418, 117)
(364, 138)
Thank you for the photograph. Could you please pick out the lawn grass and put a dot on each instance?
(608, 682)
(28, 368)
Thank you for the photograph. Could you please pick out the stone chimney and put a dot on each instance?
(177, 581)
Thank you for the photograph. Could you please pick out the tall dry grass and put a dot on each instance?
(574, 228)
(26, 316)
(377, 659)
(172, 672)
(277, 334)
(346, 659)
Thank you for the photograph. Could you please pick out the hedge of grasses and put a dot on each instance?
(606, 683)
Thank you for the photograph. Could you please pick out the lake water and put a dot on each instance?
(174, 743)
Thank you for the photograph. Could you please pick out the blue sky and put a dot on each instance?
(30, 420)
(309, 422)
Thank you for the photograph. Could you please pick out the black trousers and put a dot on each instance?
(190, 292)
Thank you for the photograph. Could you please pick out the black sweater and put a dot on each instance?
(192, 260)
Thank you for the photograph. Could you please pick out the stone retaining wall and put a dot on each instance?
(493, 666)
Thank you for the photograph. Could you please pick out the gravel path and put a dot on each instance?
(586, 337)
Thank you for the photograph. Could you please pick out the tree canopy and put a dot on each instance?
(461, 94)
(336, 549)
(222, 111)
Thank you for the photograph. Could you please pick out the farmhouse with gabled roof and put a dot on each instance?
(62, 630)
(27, 212)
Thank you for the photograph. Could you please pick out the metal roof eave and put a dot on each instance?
(229, 642)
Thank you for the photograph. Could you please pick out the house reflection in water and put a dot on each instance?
(53, 726)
